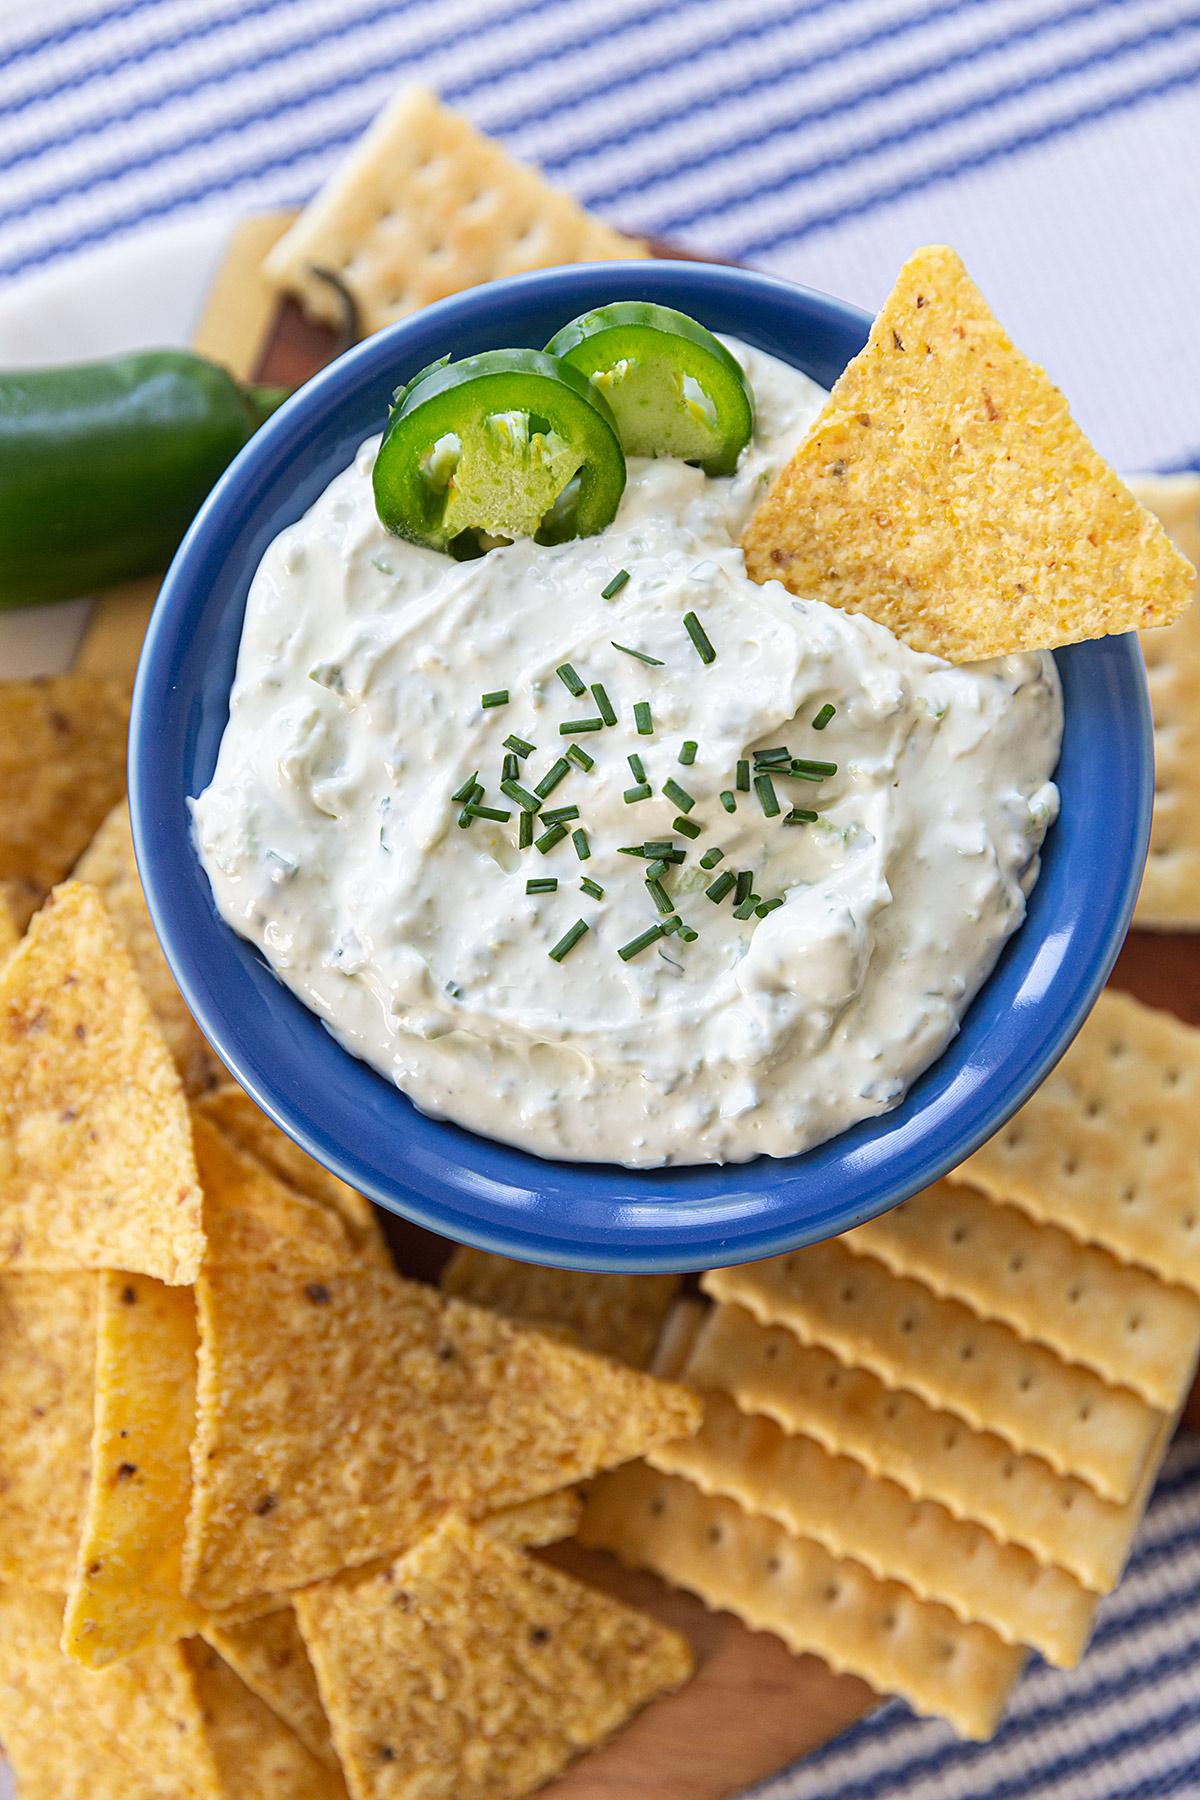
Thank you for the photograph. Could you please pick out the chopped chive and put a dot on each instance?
(592, 887)
(688, 827)
(712, 857)
(655, 662)
(487, 812)
(778, 753)
(519, 745)
(643, 941)
(583, 849)
(604, 705)
(464, 792)
(552, 777)
(687, 751)
(512, 767)
(745, 885)
(799, 772)
(643, 718)
(464, 820)
(767, 906)
(525, 831)
(572, 727)
(642, 791)
(678, 796)
(514, 791)
(632, 850)
(672, 925)
(823, 717)
(804, 765)
(548, 839)
(800, 815)
(660, 847)
(614, 587)
(568, 940)
(560, 815)
(723, 885)
(764, 787)
(748, 906)
(544, 885)
(743, 776)
(570, 679)
(659, 895)
(657, 869)
(498, 698)
(699, 637)
(687, 934)
(580, 758)
(728, 801)
(637, 766)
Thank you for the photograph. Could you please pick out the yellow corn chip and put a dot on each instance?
(932, 1455)
(234, 1113)
(10, 937)
(47, 1350)
(947, 493)
(615, 1315)
(1109, 1145)
(126, 1590)
(252, 1219)
(340, 1417)
(1133, 1329)
(424, 207)
(815, 1602)
(256, 1753)
(955, 1361)
(96, 1165)
(833, 1500)
(534, 1522)
(62, 768)
(271, 1659)
(108, 865)
(469, 1671)
(1170, 896)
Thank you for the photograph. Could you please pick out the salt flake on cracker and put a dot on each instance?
(947, 493)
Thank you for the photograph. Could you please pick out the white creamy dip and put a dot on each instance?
(332, 842)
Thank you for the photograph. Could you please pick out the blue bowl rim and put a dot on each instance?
(465, 1183)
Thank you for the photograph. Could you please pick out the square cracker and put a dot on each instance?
(62, 768)
(469, 1671)
(954, 1360)
(424, 206)
(1134, 1330)
(341, 1416)
(947, 493)
(255, 1752)
(1170, 896)
(615, 1315)
(96, 1164)
(833, 1500)
(1109, 1145)
(47, 1351)
(815, 1602)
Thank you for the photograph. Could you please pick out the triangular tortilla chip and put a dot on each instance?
(947, 493)
(615, 1315)
(96, 1164)
(251, 1218)
(47, 1349)
(466, 1671)
(10, 937)
(255, 1752)
(270, 1657)
(339, 1416)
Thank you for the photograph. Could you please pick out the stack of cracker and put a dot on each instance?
(265, 1505)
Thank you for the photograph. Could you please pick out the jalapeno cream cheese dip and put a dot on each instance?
(833, 955)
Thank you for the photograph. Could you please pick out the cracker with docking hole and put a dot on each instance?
(1134, 1330)
(470, 1671)
(108, 865)
(829, 1606)
(1170, 895)
(834, 1501)
(946, 492)
(47, 1352)
(256, 1753)
(125, 1590)
(933, 1455)
(62, 769)
(1108, 1146)
(96, 1163)
(955, 1361)
(424, 206)
(339, 1417)
(614, 1315)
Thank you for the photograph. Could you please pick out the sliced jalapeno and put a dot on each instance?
(504, 445)
(675, 390)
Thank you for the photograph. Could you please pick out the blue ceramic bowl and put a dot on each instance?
(595, 1215)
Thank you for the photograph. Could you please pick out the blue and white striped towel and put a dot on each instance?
(1056, 143)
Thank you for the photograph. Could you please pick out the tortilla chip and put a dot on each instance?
(535, 1522)
(10, 937)
(62, 767)
(256, 1753)
(469, 1671)
(254, 1220)
(125, 1592)
(108, 864)
(947, 493)
(271, 1659)
(96, 1164)
(47, 1349)
(341, 1416)
(614, 1315)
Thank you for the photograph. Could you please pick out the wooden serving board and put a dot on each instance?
(753, 1707)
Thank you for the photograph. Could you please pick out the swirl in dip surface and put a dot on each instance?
(332, 842)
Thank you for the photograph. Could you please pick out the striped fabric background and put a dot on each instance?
(1056, 143)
